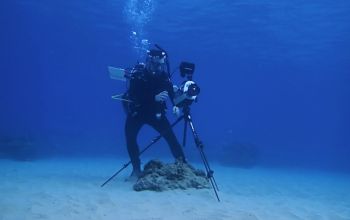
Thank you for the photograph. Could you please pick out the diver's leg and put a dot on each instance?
(163, 126)
(132, 128)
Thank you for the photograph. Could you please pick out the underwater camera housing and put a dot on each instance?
(189, 90)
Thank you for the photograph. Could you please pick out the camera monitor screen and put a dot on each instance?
(116, 73)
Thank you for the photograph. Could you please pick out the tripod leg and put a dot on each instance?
(200, 147)
(142, 151)
(185, 133)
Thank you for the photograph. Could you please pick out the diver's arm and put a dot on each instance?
(170, 89)
(171, 92)
(161, 97)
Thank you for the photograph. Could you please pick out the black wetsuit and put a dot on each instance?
(143, 88)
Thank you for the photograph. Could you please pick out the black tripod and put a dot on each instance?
(187, 121)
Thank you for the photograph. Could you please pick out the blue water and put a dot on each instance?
(273, 74)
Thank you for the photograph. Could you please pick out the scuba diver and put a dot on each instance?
(148, 91)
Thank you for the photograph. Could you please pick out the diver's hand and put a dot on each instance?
(176, 111)
(161, 97)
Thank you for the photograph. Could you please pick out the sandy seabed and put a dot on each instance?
(70, 189)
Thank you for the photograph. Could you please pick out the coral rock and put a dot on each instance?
(158, 176)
